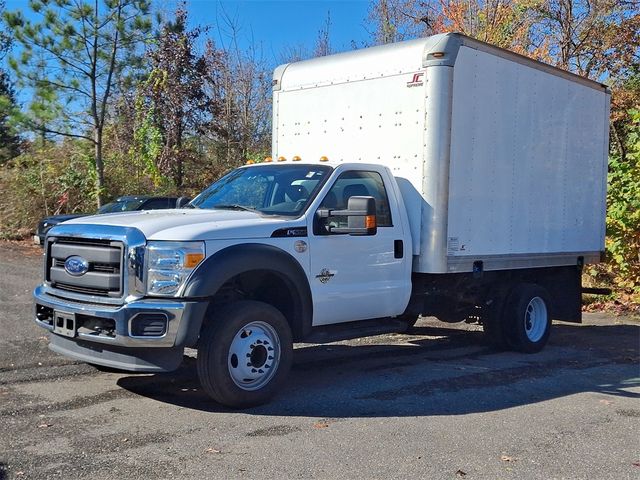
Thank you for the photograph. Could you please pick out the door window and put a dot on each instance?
(358, 183)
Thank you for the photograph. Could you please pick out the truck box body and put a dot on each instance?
(500, 159)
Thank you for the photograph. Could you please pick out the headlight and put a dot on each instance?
(169, 264)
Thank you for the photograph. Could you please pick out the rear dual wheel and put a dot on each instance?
(523, 322)
(244, 354)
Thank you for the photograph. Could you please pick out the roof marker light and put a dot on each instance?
(296, 158)
(282, 159)
(324, 159)
(268, 159)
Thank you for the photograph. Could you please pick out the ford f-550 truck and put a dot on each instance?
(440, 176)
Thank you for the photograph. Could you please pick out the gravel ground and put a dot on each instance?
(437, 403)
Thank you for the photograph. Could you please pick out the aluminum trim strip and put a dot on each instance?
(461, 264)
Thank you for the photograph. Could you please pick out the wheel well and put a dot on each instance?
(262, 286)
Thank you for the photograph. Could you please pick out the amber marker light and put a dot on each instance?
(193, 259)
(250, 162)
(437, 54)
(370, 221)
(268, 160)
(324, 159)
(296, 158)
(281, 159)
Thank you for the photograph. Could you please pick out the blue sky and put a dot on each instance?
(278, 24)
(273, 25)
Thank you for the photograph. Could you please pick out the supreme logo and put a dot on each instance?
(416, 80)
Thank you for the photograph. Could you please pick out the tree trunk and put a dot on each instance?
(97, 146)
(619, 144)
(179, 161)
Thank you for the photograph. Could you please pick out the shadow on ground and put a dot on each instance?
(454, 374)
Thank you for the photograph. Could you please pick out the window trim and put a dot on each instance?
(317, 231)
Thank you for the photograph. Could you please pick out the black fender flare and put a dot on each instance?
(229, 262)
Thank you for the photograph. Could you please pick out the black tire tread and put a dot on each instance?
(213, 377)
(492, 319)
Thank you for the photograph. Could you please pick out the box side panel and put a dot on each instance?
(526, 172)
(379, 120)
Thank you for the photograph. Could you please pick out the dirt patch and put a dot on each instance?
(273, 431)
(629, 413)
(22, 247)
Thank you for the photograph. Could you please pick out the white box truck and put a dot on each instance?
(440, 176)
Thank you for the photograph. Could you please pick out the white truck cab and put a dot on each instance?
(441, 176)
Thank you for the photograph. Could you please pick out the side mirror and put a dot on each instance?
(361, 217)
(182, 201)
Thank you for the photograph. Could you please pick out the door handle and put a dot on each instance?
(398, 249)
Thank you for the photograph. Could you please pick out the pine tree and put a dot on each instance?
(76, 55)
(9, 140)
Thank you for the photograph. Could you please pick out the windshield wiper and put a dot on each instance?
(235, 207)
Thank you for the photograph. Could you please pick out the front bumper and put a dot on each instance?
(107, 335)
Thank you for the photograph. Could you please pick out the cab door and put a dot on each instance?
(356, 277)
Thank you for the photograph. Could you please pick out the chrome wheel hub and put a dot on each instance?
(254, 355)
(535, 319)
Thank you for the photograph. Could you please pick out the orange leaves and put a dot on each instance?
(592, 39)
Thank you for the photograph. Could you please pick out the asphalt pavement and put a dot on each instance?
(437, 403)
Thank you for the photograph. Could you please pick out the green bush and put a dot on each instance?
(623, 212)
(59, 177)
(621, 269)
(48, 180)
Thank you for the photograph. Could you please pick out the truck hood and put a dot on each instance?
(191, 224)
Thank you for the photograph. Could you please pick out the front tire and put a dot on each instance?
(244, 354)
(527, 319)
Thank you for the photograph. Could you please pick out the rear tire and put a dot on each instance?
(244, 354)
(492, 323)
(526, 318)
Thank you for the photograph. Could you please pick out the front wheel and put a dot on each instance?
(244, 354)
(527, 320)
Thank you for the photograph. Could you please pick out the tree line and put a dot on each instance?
(123, 98)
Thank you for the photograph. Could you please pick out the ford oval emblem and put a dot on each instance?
(76, 266)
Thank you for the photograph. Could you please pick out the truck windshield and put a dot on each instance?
(265, 189)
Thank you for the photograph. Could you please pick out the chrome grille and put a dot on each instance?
(105, 259)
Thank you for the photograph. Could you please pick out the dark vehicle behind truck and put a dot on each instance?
(127, 203)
